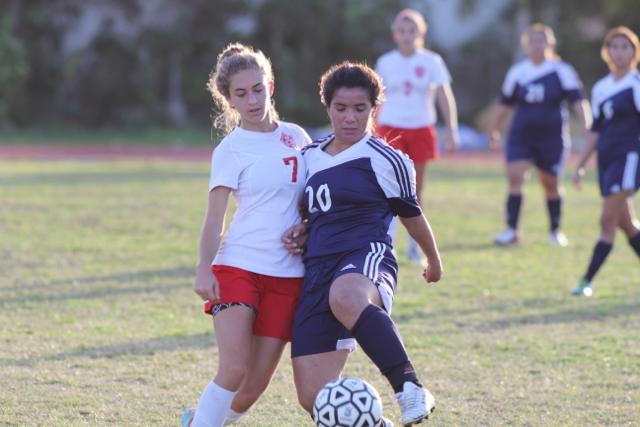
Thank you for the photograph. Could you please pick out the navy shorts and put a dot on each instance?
(315, 328)
(620, 174)
(547, 152)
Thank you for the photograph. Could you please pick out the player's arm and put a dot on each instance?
(419, 229)
(206, 284)
(587, 150)
(295, 238)
(498, 118)
(449, 110)
(582, 110)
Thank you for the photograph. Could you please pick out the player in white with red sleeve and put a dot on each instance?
(414, 78)
(256, 283)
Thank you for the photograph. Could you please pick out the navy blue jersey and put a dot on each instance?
(352, 196)
(616, 115)
(539, 93)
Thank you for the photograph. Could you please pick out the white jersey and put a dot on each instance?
(266, 174)
(410, 86)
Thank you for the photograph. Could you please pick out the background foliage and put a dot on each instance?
(139, 66)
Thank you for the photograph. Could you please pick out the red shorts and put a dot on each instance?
(274, 298)
(419, 144)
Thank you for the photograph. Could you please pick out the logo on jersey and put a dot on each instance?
(347, 267)
(287, 140)
(419, 70)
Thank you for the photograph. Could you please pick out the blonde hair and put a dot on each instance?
(548, 33)
(620, 32)
(413, 16)
(234, 58)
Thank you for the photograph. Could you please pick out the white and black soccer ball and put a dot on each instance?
(348, 402)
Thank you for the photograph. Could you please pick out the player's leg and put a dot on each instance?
(357, 304)
(272, 330)
(516, 171)
(553, 192)
(613, 206)
(233, 318)
(630, 225)
(233, 330)
(311, 372)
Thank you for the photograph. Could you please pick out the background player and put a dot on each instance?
(255, 283)
(413, 76)
(356, 184)
(616, 137)
(537, 88)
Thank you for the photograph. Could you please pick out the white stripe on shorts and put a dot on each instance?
(630, 171)
(373, 259)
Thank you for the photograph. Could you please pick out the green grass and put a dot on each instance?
(99, 326)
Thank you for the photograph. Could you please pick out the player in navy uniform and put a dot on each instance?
(537, 88)
(616, 137)
(356, 184)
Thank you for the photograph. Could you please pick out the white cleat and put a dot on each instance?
(558, 238)
(506, 238)
(385, 422)
(416, 404)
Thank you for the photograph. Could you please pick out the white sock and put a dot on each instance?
(213, 406)
(233, 416)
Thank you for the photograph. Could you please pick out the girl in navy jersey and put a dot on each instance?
(537, 88)
(250, 282)
(615, 135)
(356, 183)
(414, 79)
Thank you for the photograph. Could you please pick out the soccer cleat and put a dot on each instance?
(385, 422)
(187, 417)
(558, 238)
(416, 404)
(506, 238)
(583, 288)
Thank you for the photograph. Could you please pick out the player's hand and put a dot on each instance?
(494, 140)
(576, 179)
(206, 284)
(295, 238)
(433, 271)
(452, 140)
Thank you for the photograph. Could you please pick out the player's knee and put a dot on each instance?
(342, 300)
(231, 376)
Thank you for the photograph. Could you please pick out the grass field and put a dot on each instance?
(99, 326)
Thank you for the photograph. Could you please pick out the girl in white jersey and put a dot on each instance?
(413, 78)
(249, 281)
(615, 135)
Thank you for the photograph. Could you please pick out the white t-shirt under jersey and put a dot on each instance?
(266, 174)
(410, 85)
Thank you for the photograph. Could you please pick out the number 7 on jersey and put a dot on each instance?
(294, 172)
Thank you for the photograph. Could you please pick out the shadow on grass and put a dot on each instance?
(92, 178)
(120, 278)
(590, 313)
(130, 348)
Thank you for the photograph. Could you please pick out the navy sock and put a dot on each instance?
(554, 206)
(514, 201)
(377, 335)
(635, 243)
(600, 252)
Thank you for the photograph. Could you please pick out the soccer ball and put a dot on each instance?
(347, 402)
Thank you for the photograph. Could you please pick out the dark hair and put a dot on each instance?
(234, 58)
(351, 74)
